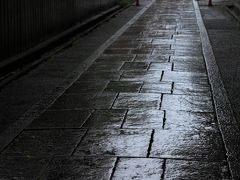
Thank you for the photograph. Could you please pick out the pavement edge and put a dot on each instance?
(226, 120)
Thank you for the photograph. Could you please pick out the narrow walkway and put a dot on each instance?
(142, 110)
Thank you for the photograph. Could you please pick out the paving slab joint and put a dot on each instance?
(164, 119)
(114, 168)
(150, 143)
(81, 139)
(124, 119)
(164, 169)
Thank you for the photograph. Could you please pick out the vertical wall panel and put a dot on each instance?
(26, 23)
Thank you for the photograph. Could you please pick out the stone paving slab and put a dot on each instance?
(87, 168)
(161, 87)
(187, 103)
(150, 58)
(189, 121)
(105, 119)
(138, 168)
(112, 142)
(138, 100)
(87, 87)
(185, 77)
(45, 142)
(163, 66)
(61, 119)
(178, 169)
(21, 167)
(124, 86)
(80, 101)
(191, 89)
(194, 144)
(146, 76)
(144, 118)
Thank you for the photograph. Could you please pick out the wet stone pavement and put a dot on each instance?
(142, 110)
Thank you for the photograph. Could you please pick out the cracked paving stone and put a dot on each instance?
(72, 101)
(189, 121)
(161, 66)
(161, 87)
(187, 103)
(138, 168)
(192, 89)
(137, 100)
(60, 119)
(105, 119)
(21, 167)
(85, 168)
(134, 66)
(123, 86)
(194, 144)
(195, 170)
(87, 87)
(148, 58)
(113, 142)
(45, 142)
(144, 118)
(185, 77)
(145, 76)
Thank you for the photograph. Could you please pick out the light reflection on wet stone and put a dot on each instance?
(185, 77)
(189, 121)
(146, 76)
(187, 103)
(195, 170)
(111, 142)
(138, 168)
(193, 144)
(144, 118)
(192, 89)
(138, 100)
(162, 66)
(161, 87)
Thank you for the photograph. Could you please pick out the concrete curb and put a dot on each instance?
(37, 109)
(226, 120)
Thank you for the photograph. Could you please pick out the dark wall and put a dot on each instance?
(26, 23)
